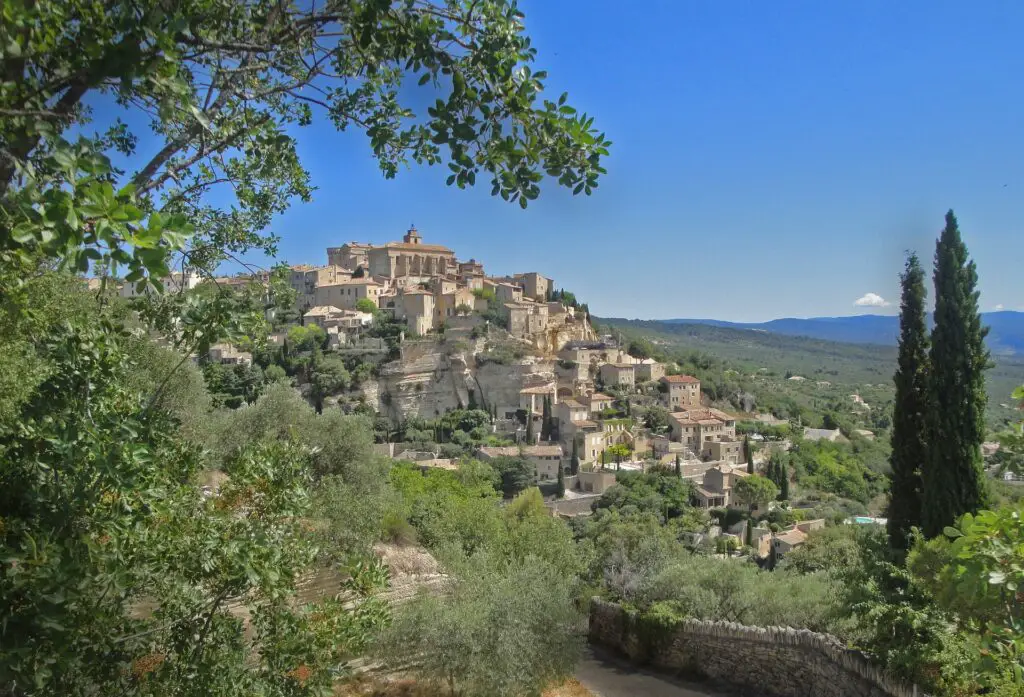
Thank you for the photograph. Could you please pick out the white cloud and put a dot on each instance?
(1000, 307)
(871, 300)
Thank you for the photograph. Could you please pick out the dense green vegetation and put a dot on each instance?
(952, 476)
(850, 368)
(152, 536)
(910, 413)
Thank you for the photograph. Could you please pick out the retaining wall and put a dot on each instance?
(766, 660)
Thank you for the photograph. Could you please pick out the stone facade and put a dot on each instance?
(777, 661)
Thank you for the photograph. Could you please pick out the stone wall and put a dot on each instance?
(772, 660)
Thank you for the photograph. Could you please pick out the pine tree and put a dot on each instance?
(561, 482)
(545, 423)
(574, 463)
(952, 479)
(910, 413)
(750, 454)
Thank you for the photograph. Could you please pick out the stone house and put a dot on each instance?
(175, 282)
(569, 410)
(599, 402)
(596, 482)
(226, 354)
(415, 307)
(304, 279)
(328, 317)
(588, 434)
(347, 292)
(716, 489)
(681, 391)
(697, 428)
(649, 370)
(450, 298)
(785, 542)
(546, 458)
(531, 399)
(724, 450)
(618, 374)
(535, 286)
(349, 256)
(526, 319)
(508, 293)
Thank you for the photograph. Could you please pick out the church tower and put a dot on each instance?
(412, 236)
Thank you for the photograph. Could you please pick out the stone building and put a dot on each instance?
(410, 258)
(349, 256)
(526, 319)
(716, 489)
(415, 307)
(327, 317)
(226, 354)
(724, 450)
(569, 410)
(697, 428)
(618, 374)
(546, 458)
(347, 292)
(681, 391)
(535, 286)
(649, 370)
(175, 282)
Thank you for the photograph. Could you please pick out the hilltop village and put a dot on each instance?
(557, 394)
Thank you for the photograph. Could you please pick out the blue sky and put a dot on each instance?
(769, 159)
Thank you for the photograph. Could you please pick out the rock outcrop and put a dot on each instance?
(438, 374)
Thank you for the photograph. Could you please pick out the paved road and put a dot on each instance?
(607, 676)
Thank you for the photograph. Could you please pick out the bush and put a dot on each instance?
(398, 530)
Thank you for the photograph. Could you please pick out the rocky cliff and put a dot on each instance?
(437, 374)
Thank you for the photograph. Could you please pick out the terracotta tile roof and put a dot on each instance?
(573, 404)
(321, 310)
(792, 537)
(687, 379)
(540, 389)
(598, 397)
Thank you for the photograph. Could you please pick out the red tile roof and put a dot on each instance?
(688, 379)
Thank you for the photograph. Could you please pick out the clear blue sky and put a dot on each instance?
(769, 159)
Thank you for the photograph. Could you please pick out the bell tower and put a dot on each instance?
(412, 236)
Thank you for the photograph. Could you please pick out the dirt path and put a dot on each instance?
(608, 676)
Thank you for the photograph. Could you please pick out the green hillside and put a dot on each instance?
(854, 365)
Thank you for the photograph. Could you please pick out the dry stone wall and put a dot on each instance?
(766, 660)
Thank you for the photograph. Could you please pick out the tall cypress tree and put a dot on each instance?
(750, 454)
(783, 481)
(545, 424)
(574, 463)
(529, 428)
(561, 482)
(679, 466)
(910, 412)
(952, 479)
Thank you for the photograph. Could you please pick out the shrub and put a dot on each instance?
(398, 530)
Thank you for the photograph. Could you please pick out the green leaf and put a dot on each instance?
(951, 532)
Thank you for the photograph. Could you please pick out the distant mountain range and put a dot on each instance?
(1006, 337)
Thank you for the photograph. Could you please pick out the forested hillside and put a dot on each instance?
(854, 365)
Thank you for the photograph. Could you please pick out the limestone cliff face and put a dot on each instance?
(434, 376)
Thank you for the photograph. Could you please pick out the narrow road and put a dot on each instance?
(608, 676)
